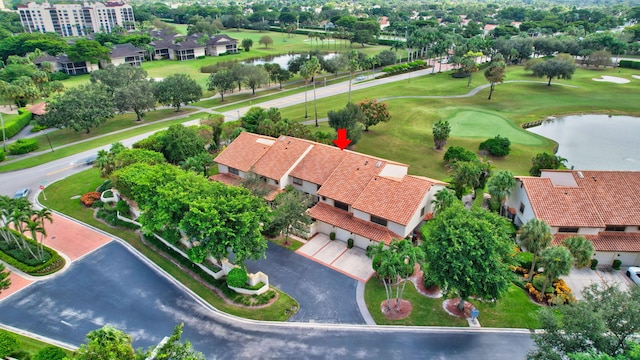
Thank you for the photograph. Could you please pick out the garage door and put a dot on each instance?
(361, 242)
(605, 258)
(628, 258)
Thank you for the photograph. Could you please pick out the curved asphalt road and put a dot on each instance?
(97, 290)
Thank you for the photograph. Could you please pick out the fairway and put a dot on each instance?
(480, 124)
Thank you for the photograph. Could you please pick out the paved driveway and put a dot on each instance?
(324, 295)
(113, 286)
(579, 279)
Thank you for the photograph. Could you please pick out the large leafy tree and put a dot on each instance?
(80, 108)
(254, 77)
(177, 89)
(290, 211)
(116, 77)
(535, 236)
(349, 118)
(222, 81)
(8, 343)
(136, 96)
(374, 112)
(581, 249)
(87, 50)
(469, 252)
(602, 323)
(265, 40)
(501, 184)
(393, 262)
(470, 175)
(181, 142)
(562, 67)
(441, 130)
(545, 161)
(495, 72)
(106, 343)
(556, 261)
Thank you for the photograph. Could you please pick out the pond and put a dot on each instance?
(595, 142)
(282, 60)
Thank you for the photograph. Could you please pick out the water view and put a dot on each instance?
(282, 60)
(595, 142)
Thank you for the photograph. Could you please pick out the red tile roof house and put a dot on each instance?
(355, 195)
(603, 206)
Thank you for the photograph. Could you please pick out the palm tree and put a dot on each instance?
(41, 216)
(580, 248)
(535, 236)
(501, 185)
(353, 67)
(442, 200)
(305, 72)
(19, 217)
(556, 261)
(103, 162)
(35, 228)
(408, 257)
(383, 263)
(5, 282)
(312, 67)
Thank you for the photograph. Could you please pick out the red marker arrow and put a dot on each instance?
(342, 141)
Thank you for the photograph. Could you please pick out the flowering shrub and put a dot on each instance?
(88, 198)
(563, 292)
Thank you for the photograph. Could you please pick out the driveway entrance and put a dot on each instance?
(335, 255)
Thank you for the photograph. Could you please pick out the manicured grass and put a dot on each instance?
(426, 311)
(514, 310)
(484, 125)
(293, 246)
(91, 144)
(32, 346)
(60, 197)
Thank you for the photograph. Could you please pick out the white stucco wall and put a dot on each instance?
(518, 196)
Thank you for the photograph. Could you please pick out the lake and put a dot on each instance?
(282, 60)
(595, 142)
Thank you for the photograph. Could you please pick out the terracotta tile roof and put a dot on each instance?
(319, 163)
(351, 177)
(393, 199)
(600, 198)
(234, 180)
(282, 155)
(608, 241)
(347, 221)
(244, 151)
(560, 205)
(38, 109)
(615, 194)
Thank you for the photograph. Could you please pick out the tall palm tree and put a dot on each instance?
(353, 67)
(20, 215)
(103, 162)
(305, 72)
(557, 261)
(408, 257)
(41, 216)
(35, 228)
(580, 248)
(313, 67)
(500, 186)
(535, 236)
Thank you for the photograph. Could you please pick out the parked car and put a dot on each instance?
(22, 193)
(634, 274)
(360, 78)
(90, 160)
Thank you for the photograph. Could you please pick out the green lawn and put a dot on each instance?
(32, 346)
(514, 310)
(484, 125)
(61, 197)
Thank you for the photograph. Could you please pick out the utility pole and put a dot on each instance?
(4, 138)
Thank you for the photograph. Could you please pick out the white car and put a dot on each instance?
(634, 274)
(360, 78)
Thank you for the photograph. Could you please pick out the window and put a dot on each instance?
(422, 211)
(340, 205)
(297, 181)
(568, 229)
(615, 228)
(522, 208)
(233, 171)
(378, 220)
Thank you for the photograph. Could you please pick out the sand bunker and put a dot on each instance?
(612, 79)
(635, 76)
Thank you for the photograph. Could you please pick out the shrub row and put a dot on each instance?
(53, 264)
(629, 64)
(111, 217)
(23, 146)
(401, 68)
(2, 155)
(16, 124)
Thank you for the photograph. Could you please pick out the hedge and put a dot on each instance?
(2, 155)
(629, 64)
(55, 262)
(13, 126)
(23, 146)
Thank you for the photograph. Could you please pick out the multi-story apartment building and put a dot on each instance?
(76, 19)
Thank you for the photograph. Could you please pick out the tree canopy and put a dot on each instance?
(469, 252)
(176, 90)
(374, 112)
(350, 118)
(80, 108)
